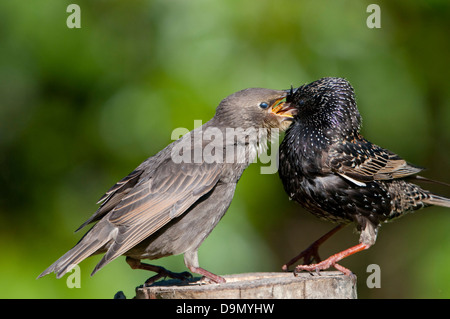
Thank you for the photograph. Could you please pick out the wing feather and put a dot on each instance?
(362, 161)
(152, 204)
(113, 196)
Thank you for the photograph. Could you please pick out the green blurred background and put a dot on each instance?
(81, 108)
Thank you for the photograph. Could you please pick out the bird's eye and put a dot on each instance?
(264, 105)
(301, 102)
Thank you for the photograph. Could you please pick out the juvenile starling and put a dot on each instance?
(338, 175)
(171, 202)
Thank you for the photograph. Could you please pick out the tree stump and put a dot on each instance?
(270, 285)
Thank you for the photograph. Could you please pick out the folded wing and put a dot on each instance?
(152, 204)
(362, 162)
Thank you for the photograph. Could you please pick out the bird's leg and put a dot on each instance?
(332, 261)
(161, 272)
(312, 252)
(191, 261)
(217, 279)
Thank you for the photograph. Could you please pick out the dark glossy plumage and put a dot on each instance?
(168, 205)
(336, 174)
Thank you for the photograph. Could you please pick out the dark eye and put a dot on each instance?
(264, 105)
(301, 102)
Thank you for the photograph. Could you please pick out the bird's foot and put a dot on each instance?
(161, 272)
(332, 261)
(209, 275)
(309, 254)
(312, 252)
(326, 264)
(164, 273)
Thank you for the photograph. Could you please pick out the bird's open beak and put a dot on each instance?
(283, 109)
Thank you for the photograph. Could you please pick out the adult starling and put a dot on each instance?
(171, 202)
(338, 175)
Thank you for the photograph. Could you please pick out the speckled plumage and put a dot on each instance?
(338, 175)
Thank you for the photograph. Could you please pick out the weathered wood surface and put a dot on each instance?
(276, 285)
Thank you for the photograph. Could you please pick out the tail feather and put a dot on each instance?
(92, 242)
(424, 179)
(437, 200)
(71, 258)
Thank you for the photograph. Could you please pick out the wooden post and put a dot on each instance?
(273, 285)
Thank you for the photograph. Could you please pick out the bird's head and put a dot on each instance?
(327, 105)
(257, 108)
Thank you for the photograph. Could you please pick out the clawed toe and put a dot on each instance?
(164, 273)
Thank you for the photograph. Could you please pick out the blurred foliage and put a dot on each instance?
(81, 108)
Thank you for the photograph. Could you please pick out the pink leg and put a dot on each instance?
(332, 261)
(217, 279)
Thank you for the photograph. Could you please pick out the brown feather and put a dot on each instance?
(366, 162)
(148, 208)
